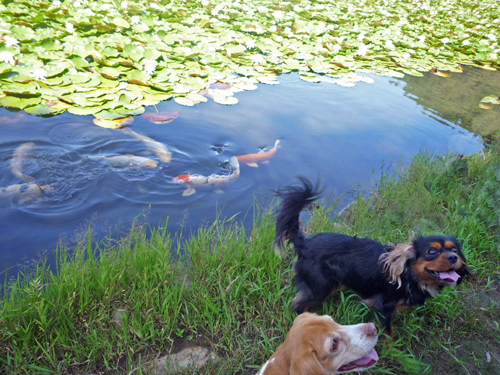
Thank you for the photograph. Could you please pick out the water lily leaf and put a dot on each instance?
(15, 102)
(51, 44)
(226, 100)
(196, 98)
(141, 28)
(78, 62)
(491, 99)
(487, 67)
(309, 77)
(4, 68)
(39, 110)
(110, 52)
(29, 88)
(484, 106)
(184, 101)
(84, 110)
(291, 64)
(110, 73)
(161, 118)
(120, 22)
(114, 124)
(268, 80)
(139, 78)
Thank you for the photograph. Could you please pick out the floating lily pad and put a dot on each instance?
(491, 99)
(161, 118)
(114, 124)
(191, 46)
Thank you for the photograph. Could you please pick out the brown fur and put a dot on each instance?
(304, 351)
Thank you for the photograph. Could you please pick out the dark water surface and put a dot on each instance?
(345, 135)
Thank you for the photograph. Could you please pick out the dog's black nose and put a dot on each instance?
(452, 258)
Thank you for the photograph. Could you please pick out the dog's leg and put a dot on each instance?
(306, 297)
(386, 314)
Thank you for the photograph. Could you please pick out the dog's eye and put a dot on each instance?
(335, 345)
(454, 249)
(432, 252)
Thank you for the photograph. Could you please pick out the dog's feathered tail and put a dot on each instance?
(295, 199)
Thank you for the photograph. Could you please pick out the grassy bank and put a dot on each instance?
(231, 293)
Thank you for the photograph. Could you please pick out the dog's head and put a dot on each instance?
(434, 261)
(316, 345)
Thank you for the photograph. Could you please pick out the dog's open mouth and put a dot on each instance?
(361, 364)
(446, 277)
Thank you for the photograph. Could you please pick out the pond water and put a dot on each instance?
(346, 136)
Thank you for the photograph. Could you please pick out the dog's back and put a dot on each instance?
(295, 199)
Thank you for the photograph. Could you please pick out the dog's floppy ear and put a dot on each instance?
(394, 261)
(306, 363)
(464, 270)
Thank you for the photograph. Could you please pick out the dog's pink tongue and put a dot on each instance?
(449, 275)
(372, 356)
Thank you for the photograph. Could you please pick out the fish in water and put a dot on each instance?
(137, 162)
(262, 156)
(161, 118)
(16, 163)
(24, 192)
(214, 180)
(157, 148)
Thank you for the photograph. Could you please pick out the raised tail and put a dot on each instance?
(295, 199)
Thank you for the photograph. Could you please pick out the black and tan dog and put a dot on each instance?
(386, 277)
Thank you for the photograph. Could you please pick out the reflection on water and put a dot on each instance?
(456, 99)
(343, 135)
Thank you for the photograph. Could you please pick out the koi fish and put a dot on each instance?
(192, 180)
(252, 159)
(25, 192)
(157, 148)
(16, 163)
(137, 162)
(161, 118)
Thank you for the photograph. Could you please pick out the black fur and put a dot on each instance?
(327, 260)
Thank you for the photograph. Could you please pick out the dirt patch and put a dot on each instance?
(475, 348)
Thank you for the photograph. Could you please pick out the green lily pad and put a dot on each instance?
(491, 99)
(184, 101)
(120, 22)
(39, 110)
(15, 102)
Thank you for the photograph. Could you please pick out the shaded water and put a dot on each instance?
(344, 135)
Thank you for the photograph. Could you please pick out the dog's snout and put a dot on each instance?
(370, 330)
(452, 258)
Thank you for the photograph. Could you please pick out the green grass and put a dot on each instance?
(225, 289)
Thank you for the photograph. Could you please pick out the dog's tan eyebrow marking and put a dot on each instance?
(436, 245)
(448, 244)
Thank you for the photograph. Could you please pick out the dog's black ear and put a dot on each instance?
(394, 261)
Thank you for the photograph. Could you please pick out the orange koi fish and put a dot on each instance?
(214, 180)
(252, 159)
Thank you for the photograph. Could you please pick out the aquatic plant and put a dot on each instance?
(110, 58)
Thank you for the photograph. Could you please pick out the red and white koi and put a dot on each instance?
(262, 156)
(215, 180)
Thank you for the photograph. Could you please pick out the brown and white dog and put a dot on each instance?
(316, 345)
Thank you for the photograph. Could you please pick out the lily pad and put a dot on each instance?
(114, 124)
(161, 118)
(491, 99)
